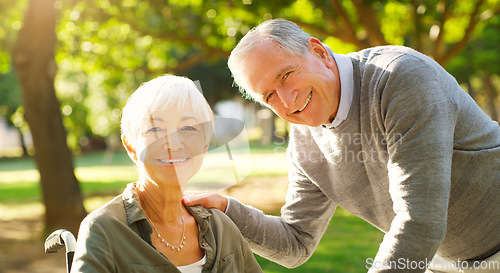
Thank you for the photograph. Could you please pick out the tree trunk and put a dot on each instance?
(470, 88)
(34, 60)
(490, 96)
(22, 142)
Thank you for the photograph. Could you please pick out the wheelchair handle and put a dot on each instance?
(59, 239)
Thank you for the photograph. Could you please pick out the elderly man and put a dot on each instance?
(385, 133)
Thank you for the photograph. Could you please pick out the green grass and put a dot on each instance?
(346, 245)
(100, 173)
(19, 180)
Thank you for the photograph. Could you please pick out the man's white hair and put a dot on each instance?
(165, 92)
(288, 36)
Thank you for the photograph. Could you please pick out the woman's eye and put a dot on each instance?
(154, 130)
(189, 128)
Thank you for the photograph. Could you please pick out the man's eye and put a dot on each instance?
(287, 74)
(269, 96)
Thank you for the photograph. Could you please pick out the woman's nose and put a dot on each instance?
(173, 141)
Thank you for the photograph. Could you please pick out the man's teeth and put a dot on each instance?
(305, 104)
(173, 160)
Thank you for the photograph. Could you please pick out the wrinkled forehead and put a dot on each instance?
(264, 65)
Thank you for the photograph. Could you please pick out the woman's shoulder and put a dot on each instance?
(111, 211)
(211, 216)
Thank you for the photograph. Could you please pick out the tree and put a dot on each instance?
(108, 47)
(10, 91)
(477, 61)
(10, 96)
(438, 28)
(33, 57)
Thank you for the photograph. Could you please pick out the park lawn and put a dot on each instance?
(102, 173)
(347, 243)
(19, 180)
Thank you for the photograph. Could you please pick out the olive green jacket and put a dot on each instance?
(117, 238)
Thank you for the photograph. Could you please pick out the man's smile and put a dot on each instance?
(305, 104)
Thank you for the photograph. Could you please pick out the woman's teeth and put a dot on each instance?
(172, 160)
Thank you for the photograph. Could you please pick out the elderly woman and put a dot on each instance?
(166, 129)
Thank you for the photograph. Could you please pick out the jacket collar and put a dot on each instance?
(135, 212)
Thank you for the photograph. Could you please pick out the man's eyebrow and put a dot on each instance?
(283, 70)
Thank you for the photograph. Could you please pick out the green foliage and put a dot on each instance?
(10, 95)
(481, 55)
(10, 91)
(106, 48)
(11, 16)
(485, 48)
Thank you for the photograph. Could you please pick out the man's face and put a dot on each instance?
(302, 90)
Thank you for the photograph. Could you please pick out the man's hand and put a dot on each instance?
(206, 199)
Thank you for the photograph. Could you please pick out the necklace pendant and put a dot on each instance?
(167, 244)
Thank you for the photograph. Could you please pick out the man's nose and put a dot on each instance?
(287, 96)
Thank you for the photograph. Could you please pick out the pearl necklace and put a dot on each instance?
(183, 238)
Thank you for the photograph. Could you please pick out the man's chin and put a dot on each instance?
(311, 123)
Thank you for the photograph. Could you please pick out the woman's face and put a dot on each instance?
(171, 145)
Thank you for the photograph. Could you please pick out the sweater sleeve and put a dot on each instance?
(419, 120)
(291, 239)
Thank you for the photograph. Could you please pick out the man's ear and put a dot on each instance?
(317, 48)
(130, 150)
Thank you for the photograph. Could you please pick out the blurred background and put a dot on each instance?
(67, 67)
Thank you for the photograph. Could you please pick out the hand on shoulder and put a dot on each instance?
(206, 199)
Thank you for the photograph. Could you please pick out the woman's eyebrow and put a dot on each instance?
(188, 118)
(152, 119)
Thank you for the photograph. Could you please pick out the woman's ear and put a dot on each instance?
(205, 149)
(130, 150)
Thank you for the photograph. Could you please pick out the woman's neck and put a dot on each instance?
(161, 201)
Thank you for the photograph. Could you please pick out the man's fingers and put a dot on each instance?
(192, 198)
(206, 199)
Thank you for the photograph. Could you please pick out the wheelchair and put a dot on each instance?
(59, 239)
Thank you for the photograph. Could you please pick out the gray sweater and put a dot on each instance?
(416, 158)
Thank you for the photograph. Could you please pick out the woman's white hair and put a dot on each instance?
(290, 38)
(165, 92)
